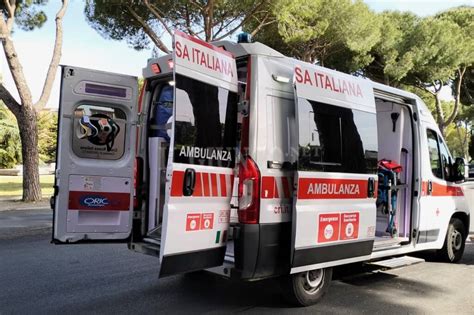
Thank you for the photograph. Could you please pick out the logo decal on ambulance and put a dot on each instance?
(199, 221)
(349, 226)
(328, 227)
(94, 201)
(193, 222)
(338, 226)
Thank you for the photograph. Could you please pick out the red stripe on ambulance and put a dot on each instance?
(439, 190)
(329, 188)
(223, 185)
(276, 187)
(207, 184)
(214, 184)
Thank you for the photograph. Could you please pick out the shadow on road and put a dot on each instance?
(111, 279)
(202, 293)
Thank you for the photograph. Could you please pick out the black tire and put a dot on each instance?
(454, 243)
(307, 288)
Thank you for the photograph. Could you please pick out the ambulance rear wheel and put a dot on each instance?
(307, 288)
(454, 243)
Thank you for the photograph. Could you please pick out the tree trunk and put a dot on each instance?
(439, 113)
(27, 123)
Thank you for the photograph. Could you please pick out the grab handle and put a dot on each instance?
(371, 187)
(189, 182)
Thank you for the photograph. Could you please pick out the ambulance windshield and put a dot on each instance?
(206, 124)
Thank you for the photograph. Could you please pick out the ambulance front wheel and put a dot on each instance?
(307, 288)
(454, 243)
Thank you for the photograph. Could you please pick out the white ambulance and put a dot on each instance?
(247, 163)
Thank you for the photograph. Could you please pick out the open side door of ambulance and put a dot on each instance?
(95, 157)
(334, 215)
(202, 158)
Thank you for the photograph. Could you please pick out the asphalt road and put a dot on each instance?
(38, 277)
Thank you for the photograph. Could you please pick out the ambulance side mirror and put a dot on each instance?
(459, 170)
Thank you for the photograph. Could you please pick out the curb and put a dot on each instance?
(11, 204)
(24, 208)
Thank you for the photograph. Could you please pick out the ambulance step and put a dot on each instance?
(147, 247)
(152, 241)
(397, 262)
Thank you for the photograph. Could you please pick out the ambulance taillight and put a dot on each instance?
(249, 188)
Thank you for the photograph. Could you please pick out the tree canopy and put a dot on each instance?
(141, 23)
(333, 33)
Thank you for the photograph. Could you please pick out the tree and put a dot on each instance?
(26, 14)
(428, 53)
(441, 54)
(47, 136)
(467, 87)
(392, 55)
(334, 33)
(471, 146)
(10, 148)
(463, 87)
(142, 22)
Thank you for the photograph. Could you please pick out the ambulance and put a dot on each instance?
(236, 159)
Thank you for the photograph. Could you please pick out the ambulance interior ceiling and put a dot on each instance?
(395, 142)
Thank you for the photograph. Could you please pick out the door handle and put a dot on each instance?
(189, 182)
(371, 187)
(430, 188)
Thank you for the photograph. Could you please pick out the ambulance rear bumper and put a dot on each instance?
(261, 250)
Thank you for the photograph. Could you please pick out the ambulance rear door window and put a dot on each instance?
(206, 124)
(336, 139)
(99, 132)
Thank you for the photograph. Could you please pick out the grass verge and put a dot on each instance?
(12, 186)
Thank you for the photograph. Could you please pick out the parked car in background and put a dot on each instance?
(471, 170)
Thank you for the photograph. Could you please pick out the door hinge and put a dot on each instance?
(243, 107)
(140, 119)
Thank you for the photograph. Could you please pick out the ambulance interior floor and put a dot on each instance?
(381, 235)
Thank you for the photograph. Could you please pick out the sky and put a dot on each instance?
(84, 47)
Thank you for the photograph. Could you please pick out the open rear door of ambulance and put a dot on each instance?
(334, 213)
(201, 163)
(95, 157)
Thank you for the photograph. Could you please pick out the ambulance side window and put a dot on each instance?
(336, 139)
(206, 124)
(440, 158)
(434, 152)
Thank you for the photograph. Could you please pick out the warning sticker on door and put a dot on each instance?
(328, 227)
(349, 226)
(207, 221)
(193, 222)
(224, 216)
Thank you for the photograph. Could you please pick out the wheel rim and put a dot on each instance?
(456, 243)
(313, 280)
(457, 240)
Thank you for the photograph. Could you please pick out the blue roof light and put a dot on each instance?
(244, 38)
